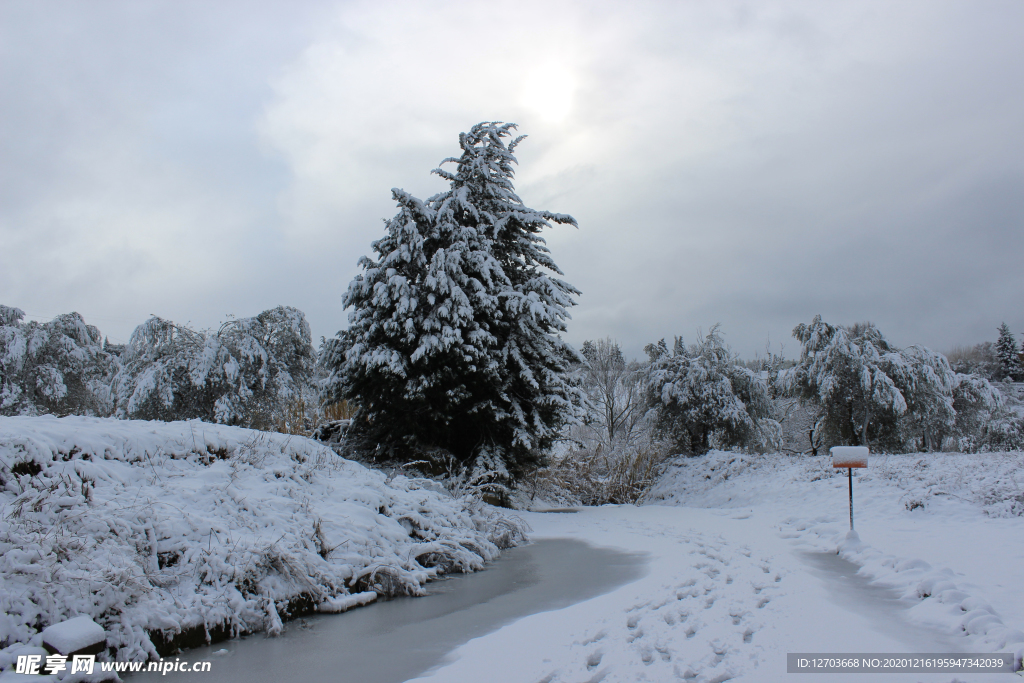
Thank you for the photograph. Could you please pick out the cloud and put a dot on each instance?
(745, 163)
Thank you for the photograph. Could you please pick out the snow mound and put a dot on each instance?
(170, 534)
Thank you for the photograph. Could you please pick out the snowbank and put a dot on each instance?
(168, 534)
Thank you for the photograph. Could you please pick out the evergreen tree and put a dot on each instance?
(453, 346)
(1008, 355)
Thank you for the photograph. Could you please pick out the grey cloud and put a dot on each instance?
(752, 164)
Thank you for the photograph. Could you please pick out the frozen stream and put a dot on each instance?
(392, 641)
(880, 605)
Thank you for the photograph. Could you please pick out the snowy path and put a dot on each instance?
(729, 593)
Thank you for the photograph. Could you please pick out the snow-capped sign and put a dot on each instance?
(849, 456)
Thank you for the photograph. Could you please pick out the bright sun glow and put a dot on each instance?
(548, 92)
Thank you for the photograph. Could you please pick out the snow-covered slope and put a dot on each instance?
(165, 532)
(946, 530)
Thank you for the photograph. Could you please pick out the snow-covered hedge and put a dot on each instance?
(161, 530)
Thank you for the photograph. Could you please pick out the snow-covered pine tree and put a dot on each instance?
(57, 367)
(1008, 354)
(453, 346)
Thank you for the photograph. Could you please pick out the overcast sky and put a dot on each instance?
(749, 164)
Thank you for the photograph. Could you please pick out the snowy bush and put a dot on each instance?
(1003, 431)
(58, 367)
(974, 402)
(704, 398)
(611, 455)
(453, 343)
(580, 476)
(245, 373)
(166, 533)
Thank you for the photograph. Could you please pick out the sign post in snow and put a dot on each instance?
(850, 457)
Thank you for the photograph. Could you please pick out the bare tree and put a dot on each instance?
(614, 388)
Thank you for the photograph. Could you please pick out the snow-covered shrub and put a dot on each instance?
(58, 367)
(581, 476)
(245, 373)
(705, 399)
(974, 402)
(168, 532)
(1003, 431)
(453, 344)
(611, 455)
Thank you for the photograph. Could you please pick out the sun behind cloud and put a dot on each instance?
(548, 91)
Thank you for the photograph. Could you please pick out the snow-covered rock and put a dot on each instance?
(76, 636)
(167, 534)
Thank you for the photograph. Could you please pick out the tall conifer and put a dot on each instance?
(1007, 354)
(453, 346)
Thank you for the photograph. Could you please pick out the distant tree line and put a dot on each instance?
(1001, 361)
(850, 386)
(250, 371)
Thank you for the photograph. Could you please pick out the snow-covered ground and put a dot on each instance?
(743, 570)
(151, 527)
(179, 528)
